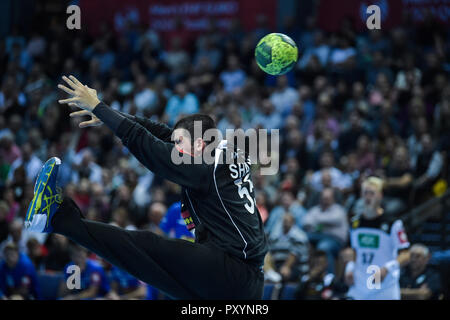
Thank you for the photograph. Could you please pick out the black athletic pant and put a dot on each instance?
(181, 269)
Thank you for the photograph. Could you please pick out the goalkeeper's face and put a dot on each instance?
(182, 140)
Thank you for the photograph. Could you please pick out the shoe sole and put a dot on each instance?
(40, 187)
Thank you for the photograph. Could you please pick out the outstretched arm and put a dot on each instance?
(159, 130)
(152, 152)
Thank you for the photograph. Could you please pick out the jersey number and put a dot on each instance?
(367, 257)
(243, 192)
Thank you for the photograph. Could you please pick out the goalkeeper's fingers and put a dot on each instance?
(70, 82)
(75, 80)
(67, 90)
(79, 113)
(90, 123)
(74, 99)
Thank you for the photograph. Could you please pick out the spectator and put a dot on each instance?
(173, 224)
(320, 49)
(35, 252)
(418, 280)
(104, 56)
(357, 103)
(8, 149)
(284, 97)
(58, 253)
(233, 77)
(156, 213)
(288, 203)
(93, 281)
(294, 147)
(378, 66)
(208, 50)
(13, 205)
(350, 175)
(29, 160)
(314, 196)
(18, 278)
(288, 251)
(145, 99)
(120, 219)
(125, 287)
(18, 129)
(86, 167)
(177, 60)
(15, 236)
(318, 284)
(349, 135)
(341, 288)
(4, 224)
(261, 204)
(365, 155)
(327, 162)
(182, 102)
(414, 143)
(340, 57)
(398, 182)
(327, 227)
(428, 168)
(262, 184)
(268, 118)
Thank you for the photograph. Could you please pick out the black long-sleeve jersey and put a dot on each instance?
(219, 197)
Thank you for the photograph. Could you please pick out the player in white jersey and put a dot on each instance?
(381, 248)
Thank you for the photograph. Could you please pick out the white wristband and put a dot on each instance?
(349, 267)
(393, 264)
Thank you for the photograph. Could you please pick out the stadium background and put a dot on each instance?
(359, 103)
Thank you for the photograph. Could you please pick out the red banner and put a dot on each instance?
(331, 13)
(164, 15)
(418, 9)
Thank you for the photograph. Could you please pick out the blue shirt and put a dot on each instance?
(93, 274)
(173, 224)
(233, 79)
(152, 293)
(22, 275)
(126, 282)
(176, 105)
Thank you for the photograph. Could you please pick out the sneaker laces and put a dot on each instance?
(49, 200)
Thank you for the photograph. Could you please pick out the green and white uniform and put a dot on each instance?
(376, 243)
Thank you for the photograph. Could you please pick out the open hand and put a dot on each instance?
(83, 96)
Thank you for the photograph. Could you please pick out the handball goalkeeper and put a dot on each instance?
(226, 260)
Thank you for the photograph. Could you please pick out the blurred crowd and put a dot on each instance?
(356, 104)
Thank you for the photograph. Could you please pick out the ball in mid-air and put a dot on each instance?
(276, 54)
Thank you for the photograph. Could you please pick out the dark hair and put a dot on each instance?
(188, 123)
(319, 253)
(11, 246)
(75, 248)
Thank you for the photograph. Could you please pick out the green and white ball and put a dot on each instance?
(276, 54)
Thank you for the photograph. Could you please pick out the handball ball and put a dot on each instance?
(276, 54)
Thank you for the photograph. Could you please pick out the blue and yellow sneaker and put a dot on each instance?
(46, 200)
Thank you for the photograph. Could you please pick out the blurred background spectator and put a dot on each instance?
(18, 277)
(93, 282)
(418, 280)
(327, 227)
(288, 255)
